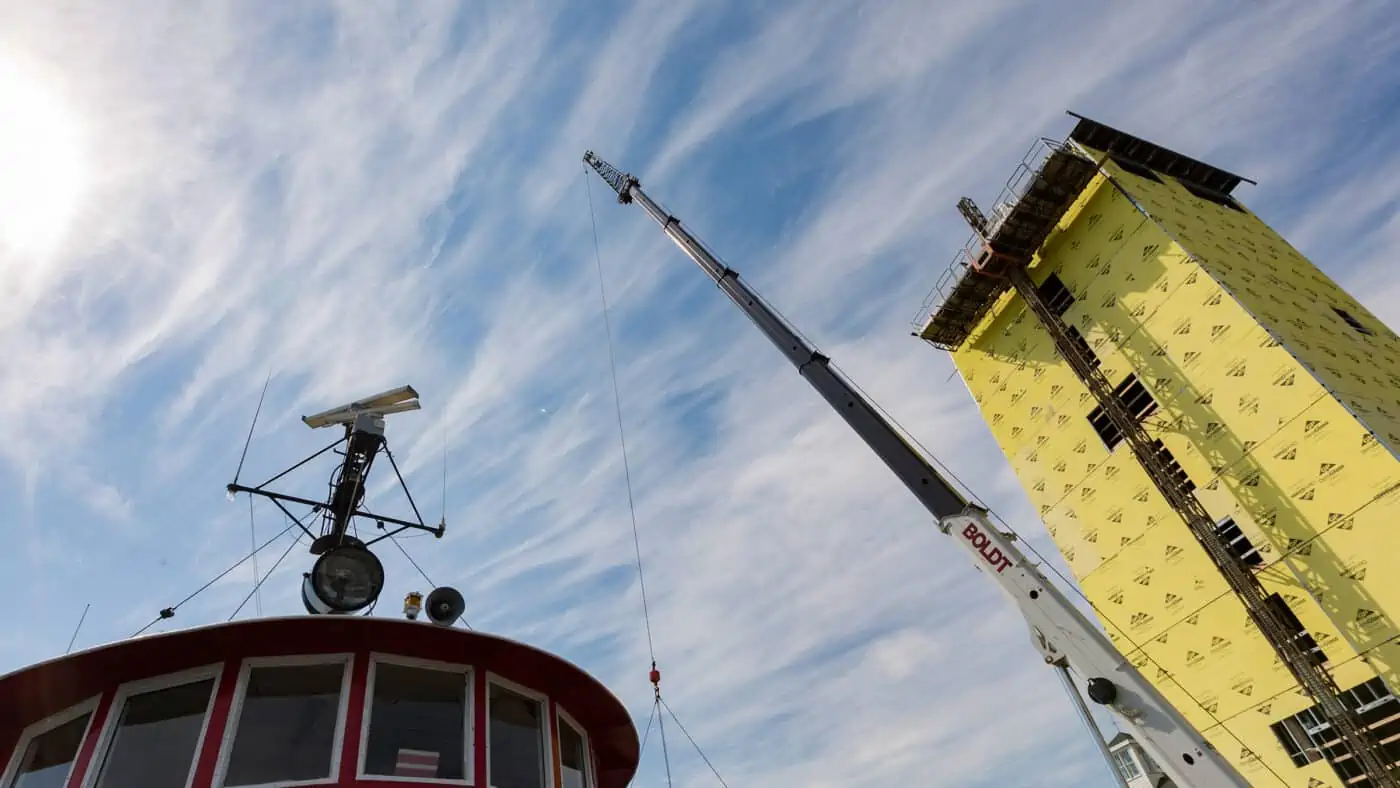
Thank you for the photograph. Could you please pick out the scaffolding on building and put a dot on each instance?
(996, 260)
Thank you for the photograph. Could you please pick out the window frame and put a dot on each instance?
(235, 712)
(1140, 415)
(1250, 556)
(565, 718)
(1126, 754)
(47, 724)
(125, 692)
(469, 730)
(1301, 636)
(1304, 748)
(1053, 300)
(1082, 342)
(547, 753)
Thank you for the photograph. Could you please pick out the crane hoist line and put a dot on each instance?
(1064, 636)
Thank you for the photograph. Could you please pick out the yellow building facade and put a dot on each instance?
(1276, 393)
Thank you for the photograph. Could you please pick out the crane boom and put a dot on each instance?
(1064, 636)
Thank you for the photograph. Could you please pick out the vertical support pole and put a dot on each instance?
(1088, 719)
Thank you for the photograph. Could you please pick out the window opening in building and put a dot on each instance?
(156, 737)
(417, 723)
(1126, 763)
(1130, 166)
(515, 739)
(1306, 737)
(1055, 295)
(1351, 320)
(1238, 544)
(49, 756)
(287, 724)
(1211, 195)
(1295, 741)
(1301, 636)
(1174, 469)
(1135, 398)
(1083, 345)
(1378, 710)
(573, 757)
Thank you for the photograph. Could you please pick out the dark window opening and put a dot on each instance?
(1237, 543)
(1295, 741)
(156, 737)
(1211, 195)
(1308, 737)
(287, 725)
(50, 755)
(516, 739)
(1175, 473)
(1055, 295)
(1299, 633)
(1353, 322)
(417, 723)
(1135, 399)
(1130, 166)
(1083, 345)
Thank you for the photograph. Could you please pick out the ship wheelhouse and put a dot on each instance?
(312, 701)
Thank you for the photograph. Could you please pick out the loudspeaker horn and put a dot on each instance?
(444, 606)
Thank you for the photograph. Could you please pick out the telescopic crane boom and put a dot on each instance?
(1064, 636)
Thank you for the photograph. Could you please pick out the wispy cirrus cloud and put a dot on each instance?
(351, 197)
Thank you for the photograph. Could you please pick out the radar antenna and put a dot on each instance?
(347, 577)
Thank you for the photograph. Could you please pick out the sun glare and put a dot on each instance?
(42, 169)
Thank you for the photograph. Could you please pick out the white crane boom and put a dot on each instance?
(1065, 637)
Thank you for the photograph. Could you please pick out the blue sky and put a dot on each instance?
(356, 196)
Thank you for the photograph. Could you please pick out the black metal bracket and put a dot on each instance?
(280, 499)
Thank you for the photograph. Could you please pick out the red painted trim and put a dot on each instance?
(479, 728)
(354, 717)
(89, 745)
(208, 758)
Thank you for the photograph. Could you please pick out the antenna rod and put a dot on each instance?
(933, 491)
(81, 619)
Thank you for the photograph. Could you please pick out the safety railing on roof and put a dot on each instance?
(966, 259)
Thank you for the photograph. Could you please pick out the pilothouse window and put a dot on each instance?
(156, 737)
(49, 756)
(418, 723)
(516, 740)
(287, 725)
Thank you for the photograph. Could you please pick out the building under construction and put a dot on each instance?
(1209, 427)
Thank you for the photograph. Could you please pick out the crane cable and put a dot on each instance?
(658, 704)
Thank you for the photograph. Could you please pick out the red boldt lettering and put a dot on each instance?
(983, 544)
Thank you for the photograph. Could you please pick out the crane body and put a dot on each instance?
(1063, 635)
